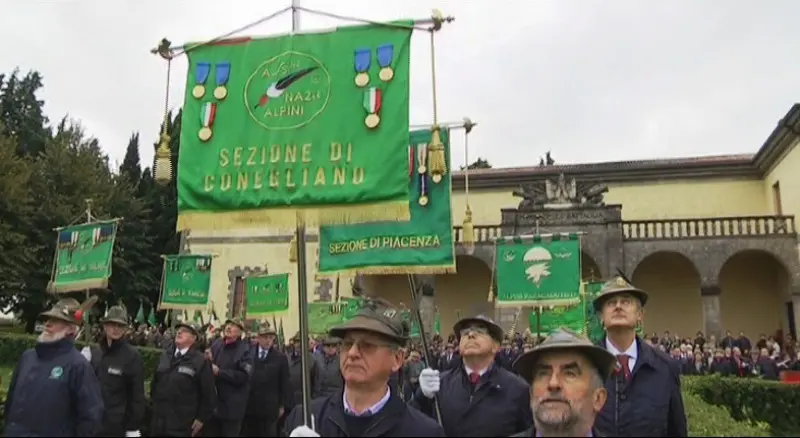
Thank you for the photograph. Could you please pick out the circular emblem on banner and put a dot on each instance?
(287, 91)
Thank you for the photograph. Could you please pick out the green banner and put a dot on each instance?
(414, 327)
(323, 316)
(186, 282)
(83, 257)
(572, 317)
(276, 127)
(422, 245)
(266, 295)
(538, 270)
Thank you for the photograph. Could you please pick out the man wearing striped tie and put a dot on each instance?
(644, 394)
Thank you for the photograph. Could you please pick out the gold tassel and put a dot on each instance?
(163, 167)
(293, 248)
(468, 232)
(437, 164)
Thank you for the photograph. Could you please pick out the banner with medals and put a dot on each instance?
(185, 282)
(422, 245)
(83, 257)
(266, 295)
(538, 270)
(309, 124)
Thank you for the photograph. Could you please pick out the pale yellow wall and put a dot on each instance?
(787, 172)
(754, 293)
(653, 200)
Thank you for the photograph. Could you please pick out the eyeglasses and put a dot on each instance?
(364, 346)
(477, 329)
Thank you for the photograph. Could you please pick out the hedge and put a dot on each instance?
(714, 406)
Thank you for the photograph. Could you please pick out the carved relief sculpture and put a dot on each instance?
(561, 191)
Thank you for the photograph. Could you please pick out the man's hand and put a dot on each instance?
(208, 355)
(197, 426)
(303, 432)
(133, 434)
(429, 382)
(215, 369)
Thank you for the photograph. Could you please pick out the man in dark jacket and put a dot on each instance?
(479, 398)
(645, 394)
(232, 365)
(182, 390)
(296, 373)
(330, 374)
(566, 373)
(371, 350)
(270, 392)
(119, 367)
(54, 391)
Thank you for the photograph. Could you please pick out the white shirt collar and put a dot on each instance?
(632, 352)
(470, 371)
(372, 410)
(181, 351)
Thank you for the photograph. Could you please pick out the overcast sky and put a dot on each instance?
(589, 80)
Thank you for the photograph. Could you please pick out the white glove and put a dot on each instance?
(133, 434)
(303, 432)
(87, 353)
(429, 382)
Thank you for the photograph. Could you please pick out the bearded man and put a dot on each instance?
(54, 391)
(567, 375)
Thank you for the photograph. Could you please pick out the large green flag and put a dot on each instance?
(266, 295)
(538, 270)
(312, 123)
(572, 317)
(83, 257)
(186, 282)
(422, 245)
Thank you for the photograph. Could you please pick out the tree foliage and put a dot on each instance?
(480, 163)
(46, 175)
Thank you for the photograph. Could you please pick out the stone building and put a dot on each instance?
(712, 239)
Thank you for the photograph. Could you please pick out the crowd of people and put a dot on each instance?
(368, 378)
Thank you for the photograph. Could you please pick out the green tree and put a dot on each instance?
(131, 168)
(22, 112)
(480, 163)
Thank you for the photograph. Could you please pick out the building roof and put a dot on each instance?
(753, 166)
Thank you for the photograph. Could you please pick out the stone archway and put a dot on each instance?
(673, 284)
(754, 291)
(464, 293)
(590, 270)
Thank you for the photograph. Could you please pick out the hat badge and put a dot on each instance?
(389, 313)
(620, 282)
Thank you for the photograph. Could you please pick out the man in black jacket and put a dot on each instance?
(566, 373)
(270, 392)
(232, 365)
(119, 367)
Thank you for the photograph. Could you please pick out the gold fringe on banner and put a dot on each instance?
(77, 286)
(184, 307)
(392, 270)
(287, 217)
(437, 163)
(468, 232)
(539, 303)
(293, 248)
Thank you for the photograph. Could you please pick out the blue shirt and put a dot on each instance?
(372, 410)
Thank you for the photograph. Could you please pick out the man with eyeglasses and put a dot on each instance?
(370, 351)
(566, 373)
(645, 391)
(479, 398)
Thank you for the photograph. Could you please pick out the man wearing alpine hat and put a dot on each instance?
(645, 393)
(479, 398)
(53, 390)
(370, 351)
(566, 373)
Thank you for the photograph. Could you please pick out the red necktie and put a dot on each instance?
(623, 363)
(474, 378)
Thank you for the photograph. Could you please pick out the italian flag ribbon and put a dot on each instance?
(207, 114)
(372, 100)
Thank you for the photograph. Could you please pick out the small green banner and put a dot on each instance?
(538, 270)
(83, 257)
(323, 316)
(313, 124)
(266, 295)
(572, 317)
(422, 245)
(414, 331)
(186, 282)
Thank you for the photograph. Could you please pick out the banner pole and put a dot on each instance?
(415, 312)
(87, 333)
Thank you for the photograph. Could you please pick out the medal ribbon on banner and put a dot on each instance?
(362, 60)
(201, 72)
(422, 170)
(223, 74)
(207, 115)
(372, 103)
(385, 55)
(410, 161)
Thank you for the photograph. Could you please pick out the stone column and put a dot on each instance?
(426, 287)
(712, 313)
(796, 309)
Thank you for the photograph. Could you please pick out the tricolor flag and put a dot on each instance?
(102, 234)
(67, 239)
